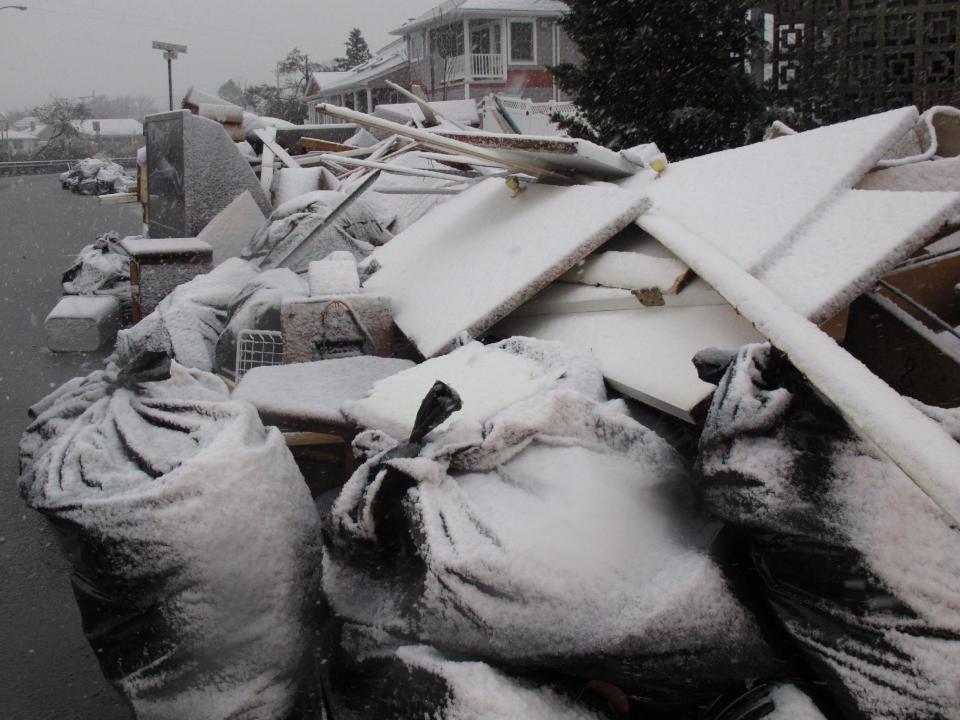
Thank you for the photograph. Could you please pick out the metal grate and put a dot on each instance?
(257, 348)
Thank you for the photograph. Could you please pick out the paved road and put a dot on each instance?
(47, 670)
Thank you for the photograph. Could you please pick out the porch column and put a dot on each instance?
(356, 100)
(369, 100)
(467, 59)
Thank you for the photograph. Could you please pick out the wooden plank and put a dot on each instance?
(266, 164)
(118, 199)
(324, 145)
(912, 441)
(444, 143)
(525, 143)
(399, 170)
(269, 141)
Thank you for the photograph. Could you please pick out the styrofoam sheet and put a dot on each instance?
(646, 354)
(751, 201)
(860, 237)
(563, 297)
(471, 261)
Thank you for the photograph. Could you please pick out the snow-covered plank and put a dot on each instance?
(487, 379)
(751, 201)
(474, 259)
(629, 271)
(232, 229)
(647, 353)
(268, 140)
(563, 297)
(941, 175)
(314, 391)
(561, 154)
(859, 237)
(914, 442)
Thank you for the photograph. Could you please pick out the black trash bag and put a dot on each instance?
(768, 701)
(861, 568)
(193, 539)
(559, 536)
(376, 676)
(101, 268)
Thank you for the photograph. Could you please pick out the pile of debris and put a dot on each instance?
(93, 176)
(582, 433)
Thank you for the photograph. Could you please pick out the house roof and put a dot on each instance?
(459, 9)
(17, 135)
(109, 127)
(385, 61)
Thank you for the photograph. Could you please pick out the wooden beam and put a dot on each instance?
(914, 442)
(443, 142)
(324, 145)
(269, 140)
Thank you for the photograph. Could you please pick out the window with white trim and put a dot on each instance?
(523, 41)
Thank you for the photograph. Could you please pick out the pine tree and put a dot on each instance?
(358, 52)
(664, 71)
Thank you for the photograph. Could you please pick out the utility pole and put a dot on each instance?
(170, 53)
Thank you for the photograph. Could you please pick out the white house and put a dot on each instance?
(471, 48)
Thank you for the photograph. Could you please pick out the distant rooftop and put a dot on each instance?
(384, 61)
(109, 127)
(459, 9)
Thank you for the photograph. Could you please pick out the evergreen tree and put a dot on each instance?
(358, 52)
(231, 92)
(664, 71)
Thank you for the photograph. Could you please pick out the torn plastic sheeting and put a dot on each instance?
(483, 253)
(357, 231)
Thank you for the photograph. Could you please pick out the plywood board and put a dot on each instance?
(647, 353)
(752, 201)
(476, 258)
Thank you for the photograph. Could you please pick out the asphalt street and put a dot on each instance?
(47, 670)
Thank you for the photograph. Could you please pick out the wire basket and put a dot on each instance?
(258, 348)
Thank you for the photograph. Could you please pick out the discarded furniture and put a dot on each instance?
(193, 172)
(304, 401)
(82, 323)
(337, 326)
(159, 266)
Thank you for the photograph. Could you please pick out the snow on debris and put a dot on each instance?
(857, 239)
(486, 378)
(503, 249)
(172, 486)
(750, 201)
(315, 390)
(543, 536)
(876, 597)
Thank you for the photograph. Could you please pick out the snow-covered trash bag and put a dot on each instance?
(101, 268)
(862, 569)
(294, 234)
(194, 542)
(94, 176)
(378, 677)
(188, 323)
(558, 535)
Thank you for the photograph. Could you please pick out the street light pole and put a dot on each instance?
(170, 53)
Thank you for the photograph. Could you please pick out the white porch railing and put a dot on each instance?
(482, 67)
(487, 66)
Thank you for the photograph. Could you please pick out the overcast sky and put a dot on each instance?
(75, 47)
